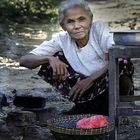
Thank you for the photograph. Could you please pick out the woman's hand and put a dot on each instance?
(80, 87)
(60, 71)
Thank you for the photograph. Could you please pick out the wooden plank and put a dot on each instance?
(136, 112)
(112, 91)
(112, 85)
(122, 111)
(126, 52)
(129, 98)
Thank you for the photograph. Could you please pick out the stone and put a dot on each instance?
(20, 118)
(35, 98)
(52, 109)
(35, 132)
(29, 101)
(4, 131)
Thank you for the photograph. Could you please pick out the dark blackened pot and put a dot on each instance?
(127, 38)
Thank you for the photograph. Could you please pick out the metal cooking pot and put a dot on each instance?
(127, 38)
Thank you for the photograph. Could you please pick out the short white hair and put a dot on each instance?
(67, 4)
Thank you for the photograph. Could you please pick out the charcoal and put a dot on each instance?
(29, 102)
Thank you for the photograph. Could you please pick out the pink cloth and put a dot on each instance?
(96, 121)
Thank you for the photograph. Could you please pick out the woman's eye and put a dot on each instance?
(70, 21)
(82, 18)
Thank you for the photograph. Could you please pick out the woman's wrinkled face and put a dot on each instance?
(77, 23)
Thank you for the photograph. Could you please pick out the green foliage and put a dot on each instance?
(25, 11)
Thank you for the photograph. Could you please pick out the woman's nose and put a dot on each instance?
(77, 25)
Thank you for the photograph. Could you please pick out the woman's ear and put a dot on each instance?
(63, 28)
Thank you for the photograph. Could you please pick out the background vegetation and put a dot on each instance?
(27, 11)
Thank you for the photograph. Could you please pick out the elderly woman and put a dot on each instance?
(75, 61)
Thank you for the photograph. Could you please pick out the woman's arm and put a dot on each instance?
(81, 86)
(41, 54)
(32, 61)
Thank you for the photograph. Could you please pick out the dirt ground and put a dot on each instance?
(16, 40)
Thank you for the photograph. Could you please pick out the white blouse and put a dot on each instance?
(86, 60)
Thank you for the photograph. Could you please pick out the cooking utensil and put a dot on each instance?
(127, 38)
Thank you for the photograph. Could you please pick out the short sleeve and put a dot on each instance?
(48, 47)
(106, 40)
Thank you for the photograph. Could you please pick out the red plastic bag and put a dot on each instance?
(96, 121)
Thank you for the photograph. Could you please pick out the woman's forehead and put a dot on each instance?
(75, 12)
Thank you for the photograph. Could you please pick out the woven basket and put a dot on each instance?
(64, 128)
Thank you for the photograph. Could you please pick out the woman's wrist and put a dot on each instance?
(92, 79)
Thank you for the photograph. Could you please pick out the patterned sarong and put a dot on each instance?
(97, 95)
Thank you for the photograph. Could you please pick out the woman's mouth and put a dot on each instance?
(79, 33)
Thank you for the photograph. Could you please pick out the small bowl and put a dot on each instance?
(127, 38)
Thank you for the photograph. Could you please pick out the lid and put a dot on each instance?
(126, 31)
